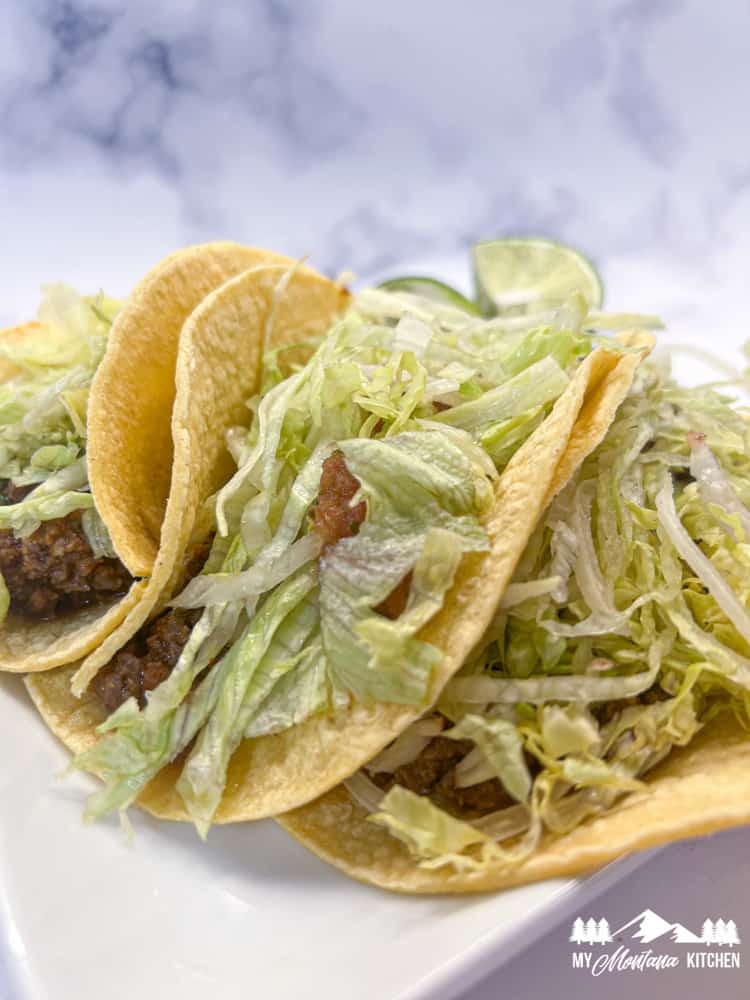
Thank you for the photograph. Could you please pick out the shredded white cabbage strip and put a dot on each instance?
(713, 483)
(482, 690)
(700, 564)
(220, 588)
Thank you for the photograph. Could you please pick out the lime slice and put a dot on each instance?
(517, 277)
(429, 288)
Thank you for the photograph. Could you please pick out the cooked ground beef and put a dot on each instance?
(146, 661)
(334, 517)
(53, 571)
(393, 606)
(10, 493)
(607, 710)
(477, 800)
(423, 774)
(432, 774)
(196, 557)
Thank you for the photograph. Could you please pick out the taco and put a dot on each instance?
(85, 454)
(384, 490)
(606, 708)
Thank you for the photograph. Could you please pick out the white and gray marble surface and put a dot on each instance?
(366, 135)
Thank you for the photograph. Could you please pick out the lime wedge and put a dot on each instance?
(429, 288)
(522, 276)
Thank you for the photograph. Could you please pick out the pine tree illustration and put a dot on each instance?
(592, 932)
(720, 930)
(707, 935)
(731, 937)
(578, 933)
(604, 936)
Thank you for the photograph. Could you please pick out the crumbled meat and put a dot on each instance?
(440, 407)
(394, 604)
(334, 517)
(432, 773)
(146, 661)
(196, 557)
(480, 799)
(54, 571)
(10, 493)
(423, 774)
(607, 710)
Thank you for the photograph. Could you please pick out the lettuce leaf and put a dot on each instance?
(249, 679)
(431, 834)
(502, 745)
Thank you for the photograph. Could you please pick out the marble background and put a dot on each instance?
(371, 135)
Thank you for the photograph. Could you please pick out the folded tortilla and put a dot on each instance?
(129, 446)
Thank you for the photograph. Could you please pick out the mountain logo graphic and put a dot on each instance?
(648, 926)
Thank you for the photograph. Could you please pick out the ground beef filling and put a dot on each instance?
(335, 518)
(53, 571)
(146, 661)
(395, 603)
(10, 493)
(432, 773)
(607, 710)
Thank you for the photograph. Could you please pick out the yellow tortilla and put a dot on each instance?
(129, 448)
(697, 790)
(129, 433)
(608, 387)
(273, 774)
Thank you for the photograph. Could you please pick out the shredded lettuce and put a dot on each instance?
(249, 679)
(43, 409)
(374, 658)
(431, 834)
(541, 383)
(568, 729)
(624, 631)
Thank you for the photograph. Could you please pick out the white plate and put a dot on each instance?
(87, 915)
